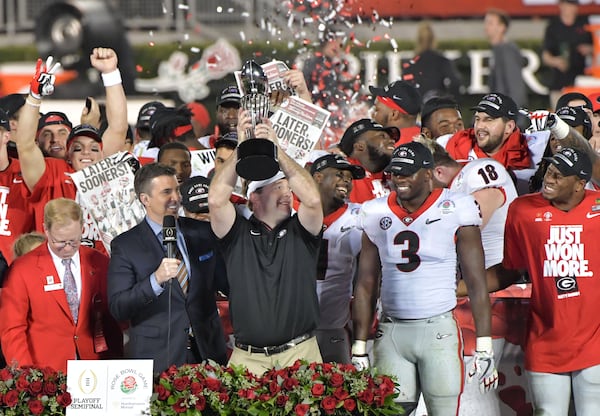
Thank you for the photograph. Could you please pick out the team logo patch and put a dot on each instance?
(595, 208)
(282, 233)
(407, 220)
(385, 223)
(447, 206)
(566, 287)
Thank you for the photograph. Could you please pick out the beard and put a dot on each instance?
(380, 160)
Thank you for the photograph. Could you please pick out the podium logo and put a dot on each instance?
(129, 385)
(87, 381)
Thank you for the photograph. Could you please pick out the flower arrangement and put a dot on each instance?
(301, 389)
(33, 391)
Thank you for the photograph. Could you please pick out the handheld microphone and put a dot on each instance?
(169, 233)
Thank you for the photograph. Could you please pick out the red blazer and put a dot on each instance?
(37, 328)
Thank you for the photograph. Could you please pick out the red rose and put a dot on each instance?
(35, 406)
(349, 405)
(49, 388)
(337, 379)
(341, 394)
(366, 396)
(181, 383)
(11, 398)
(200, 403)
(64, 399)
(163, 393)
(22, 384)
(5, 374)
(274, 387)
(251, 394)
(328, 404)
(289, 383)
(318, 389)
(281, 400)
(379, 401)
(35, 387)
(264, 397)
(301, 409)
(195, 387)
(180, 406)
(213, 384)
(224, 397)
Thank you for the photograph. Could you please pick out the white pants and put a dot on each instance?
(552, 392)
(426, 356)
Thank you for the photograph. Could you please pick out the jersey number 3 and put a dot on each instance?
(409, 244)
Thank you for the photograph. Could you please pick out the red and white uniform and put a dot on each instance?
(373, 185)
(560, 251)
(481, 174)
(418, 251)
(55, 183)
(339, 249)
(16, 214)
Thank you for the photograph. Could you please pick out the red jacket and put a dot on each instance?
(37, 327)
(514, 153)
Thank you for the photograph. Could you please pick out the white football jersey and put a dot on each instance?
(488, 173)
(418, 251)
(337, 264)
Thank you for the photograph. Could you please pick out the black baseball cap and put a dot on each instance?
(12, 103)
(194, 194)
(400, 95)
(146, 111)
(563, 100)
(437, 103)
(356, 129)
(4, 120)
(337, 162)
(84, 130)
(230, 94)
(408, 158)
(54, 117)
(498, 105)
(575, 117)
(570, 161)
(229, 140)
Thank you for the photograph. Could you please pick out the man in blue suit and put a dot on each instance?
(171, 312)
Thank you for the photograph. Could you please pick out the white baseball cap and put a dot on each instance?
(254, 185)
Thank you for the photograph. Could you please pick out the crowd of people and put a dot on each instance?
(410, 218)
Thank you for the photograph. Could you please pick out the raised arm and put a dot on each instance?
(105, 60)
(31, 157)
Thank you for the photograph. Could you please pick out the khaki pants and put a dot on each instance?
(258, 363)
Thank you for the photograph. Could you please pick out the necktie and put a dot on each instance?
(182, 273)
(70, 289)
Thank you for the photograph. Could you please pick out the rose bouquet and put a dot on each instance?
(301, 389)
(33, 391)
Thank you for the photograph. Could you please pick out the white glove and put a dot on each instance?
(42, 83)
(360, 358)
(539, 120)
(483, 366)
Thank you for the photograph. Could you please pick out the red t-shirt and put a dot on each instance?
(55, 183)
(16, 214)
(373, 185)
(560, 251)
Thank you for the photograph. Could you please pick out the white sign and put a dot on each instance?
(109, 387)
(299, 126)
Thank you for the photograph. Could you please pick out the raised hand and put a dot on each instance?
(42, 83)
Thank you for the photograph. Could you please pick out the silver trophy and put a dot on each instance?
(257, 157)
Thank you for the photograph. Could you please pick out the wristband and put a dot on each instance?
(112, 78)
(31, 103)
(359, 347)
(558, 127)
(483, 344)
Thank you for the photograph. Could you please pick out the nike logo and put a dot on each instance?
(428, 221)
(15, 180)
(442, 336)
(254, 232)
(592, 214)
(344, 229)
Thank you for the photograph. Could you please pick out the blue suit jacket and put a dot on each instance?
(135, 255)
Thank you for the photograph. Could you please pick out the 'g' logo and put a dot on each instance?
(566, 283)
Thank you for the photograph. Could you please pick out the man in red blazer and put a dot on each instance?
(51, 311)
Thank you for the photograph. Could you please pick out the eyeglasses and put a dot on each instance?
(62, 244)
